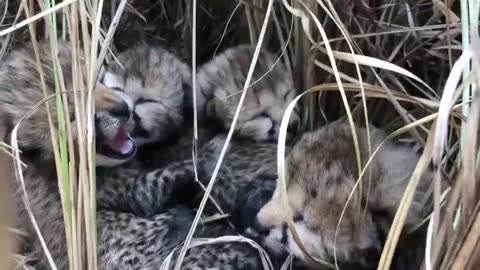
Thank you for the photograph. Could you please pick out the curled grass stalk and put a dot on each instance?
(434, 150)
(468, 181)
(282, 181)
(400, 216)
(266, 263)
(337, 78)
(331, 12)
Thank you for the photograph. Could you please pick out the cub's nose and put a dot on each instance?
(121, 111)
(273, 134)
(272, 131)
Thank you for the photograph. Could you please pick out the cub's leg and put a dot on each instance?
(147, 193)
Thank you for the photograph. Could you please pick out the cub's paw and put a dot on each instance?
(253, 197)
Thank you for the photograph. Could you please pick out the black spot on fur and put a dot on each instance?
(284, 234)
(298, 217)
(139, 130)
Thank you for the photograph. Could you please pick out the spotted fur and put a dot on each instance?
(139, 216)
(141, 221)
(159, 85)
(144, 243)
(20, 91)
(218, 84)
(321, 173)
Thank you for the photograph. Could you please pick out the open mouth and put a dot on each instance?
(121, 146)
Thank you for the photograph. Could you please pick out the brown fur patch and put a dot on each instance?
(106, 99)
(323, 171)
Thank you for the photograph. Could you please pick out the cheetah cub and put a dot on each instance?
(159, 84)
(156, 82)
(20, 91)
(271, 89)
(321, 173)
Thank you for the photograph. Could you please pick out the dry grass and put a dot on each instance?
(393, 64)
(6, 241)
(73, 158)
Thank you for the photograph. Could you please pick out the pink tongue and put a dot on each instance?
(121, 141)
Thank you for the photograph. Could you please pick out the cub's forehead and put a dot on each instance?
(314, 151)
(265, 98)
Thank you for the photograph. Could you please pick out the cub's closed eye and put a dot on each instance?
(118, 89)
(264, 114)
(146, 100)
(298, 217)
(289, 95)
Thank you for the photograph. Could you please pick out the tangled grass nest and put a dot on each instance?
(396, 64)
